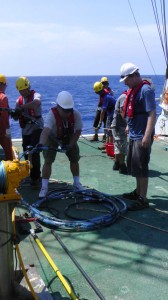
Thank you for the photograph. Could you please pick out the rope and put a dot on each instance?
(144, 224)
(163, 36)
(142, 38)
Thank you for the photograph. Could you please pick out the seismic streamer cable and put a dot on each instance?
(78, 266)
(115, 205)
(21, 261)
(53, 265)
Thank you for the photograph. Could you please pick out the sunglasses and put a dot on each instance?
(67, 111)
(125, 76)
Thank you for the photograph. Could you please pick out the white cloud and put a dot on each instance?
(51, 47)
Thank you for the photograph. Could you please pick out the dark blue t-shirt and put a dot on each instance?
(144, 103)
(108, 104)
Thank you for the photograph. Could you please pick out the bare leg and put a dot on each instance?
(74, 167)
(46, 172)
(96, 130)
(110, 139)
(142, 186)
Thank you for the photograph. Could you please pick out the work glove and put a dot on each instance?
(29, 148)
(99, 125)
(16, 113)
(39, 147)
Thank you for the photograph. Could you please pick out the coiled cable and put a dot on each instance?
(114, 208)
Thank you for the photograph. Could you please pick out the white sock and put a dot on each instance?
(45, 183)
(76, 179)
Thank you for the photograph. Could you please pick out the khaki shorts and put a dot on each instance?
(120, 141)
(50, 154)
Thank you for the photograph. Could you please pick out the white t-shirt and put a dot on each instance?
(31, 127)
(50, 122)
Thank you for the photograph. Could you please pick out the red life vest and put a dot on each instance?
(62, 131)
(129, 102)
(31, 111)
(124, 93)
(106, 92)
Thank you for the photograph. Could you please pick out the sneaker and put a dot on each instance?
(43, 192)
(95, 138)
(131, 196)
(104, 151)
(78, 186)
(116, 166)
(123, 169)
(102, 147)
(139, 204)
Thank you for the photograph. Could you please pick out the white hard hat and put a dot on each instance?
(127, 69)
(65, 100)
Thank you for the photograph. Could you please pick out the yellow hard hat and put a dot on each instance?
(98, 86)
(3, 79)
(22, 83)
(104, 79)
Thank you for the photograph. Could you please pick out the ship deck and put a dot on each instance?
(125, 260)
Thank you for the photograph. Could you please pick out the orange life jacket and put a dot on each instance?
(4, 115)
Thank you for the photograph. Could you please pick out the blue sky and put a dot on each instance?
(77, 37)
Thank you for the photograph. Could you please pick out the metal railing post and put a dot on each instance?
(6, 250)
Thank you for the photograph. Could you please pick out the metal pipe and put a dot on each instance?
(88, 279)
(54, 266)
(6, 251)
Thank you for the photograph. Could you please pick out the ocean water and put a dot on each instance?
(81, 87)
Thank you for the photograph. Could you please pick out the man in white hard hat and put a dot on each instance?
(140, 112)
(63, 126)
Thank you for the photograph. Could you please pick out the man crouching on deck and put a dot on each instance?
(62, 127)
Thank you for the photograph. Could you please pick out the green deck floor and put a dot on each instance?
(127, 260)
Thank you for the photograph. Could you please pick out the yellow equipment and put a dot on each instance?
(11, 174)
